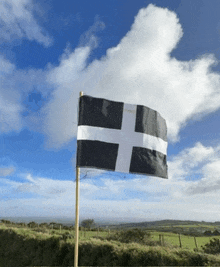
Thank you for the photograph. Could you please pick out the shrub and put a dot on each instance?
(66, 236)
(213, 247)
(32, 225)
(87, 223)
(6, 221)
(132, 235)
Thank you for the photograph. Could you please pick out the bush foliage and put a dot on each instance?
(131, 235)
(19, 248)
(213, 247)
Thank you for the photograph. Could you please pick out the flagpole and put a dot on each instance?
(77, 212)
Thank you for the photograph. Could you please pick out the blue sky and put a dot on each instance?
(162, 54)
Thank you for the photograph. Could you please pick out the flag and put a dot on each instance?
(121, 137)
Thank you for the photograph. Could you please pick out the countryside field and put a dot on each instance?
(188, 242)
(169, 238)
(22, 245)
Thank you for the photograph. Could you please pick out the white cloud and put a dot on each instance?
(6, 171)
(139, 70)
(60, 123)
(210, 182)
(201, 161)
(188, 161)
(17, 21)
(45, 187)
(89, 38)
(9, 99)
(137, 199)
(15, 87)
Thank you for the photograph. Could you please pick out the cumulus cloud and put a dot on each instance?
(15, 86)
(210, 182)
(138, 70)
(197, 170)
(17, 21)
(9, 99)
(188, 162)
(60, 122)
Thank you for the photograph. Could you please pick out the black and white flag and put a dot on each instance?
(121, 137)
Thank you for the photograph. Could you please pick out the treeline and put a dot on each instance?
(86, 225)
(51, 225)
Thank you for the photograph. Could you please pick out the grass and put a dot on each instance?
(187, 242)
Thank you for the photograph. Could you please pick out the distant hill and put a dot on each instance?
(163, 223)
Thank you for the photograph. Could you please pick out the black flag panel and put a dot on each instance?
(100, 112)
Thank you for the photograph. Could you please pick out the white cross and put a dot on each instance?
(126, 137)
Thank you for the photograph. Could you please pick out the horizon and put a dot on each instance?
(160, 54)
(98, 221)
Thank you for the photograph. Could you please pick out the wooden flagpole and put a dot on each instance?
(77, 212)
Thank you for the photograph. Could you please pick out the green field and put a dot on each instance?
(186, 241)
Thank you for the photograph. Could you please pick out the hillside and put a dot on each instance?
(166, 223)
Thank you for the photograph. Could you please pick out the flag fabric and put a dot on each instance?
(121, 137)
